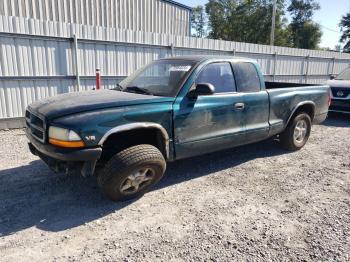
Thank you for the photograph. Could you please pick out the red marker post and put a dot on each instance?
(98, 79)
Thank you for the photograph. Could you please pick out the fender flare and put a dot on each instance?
(300, 105)
(138, 125)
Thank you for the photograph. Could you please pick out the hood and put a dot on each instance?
(72, 103)
(339, 83)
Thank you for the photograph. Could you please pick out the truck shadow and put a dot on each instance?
(32, 196)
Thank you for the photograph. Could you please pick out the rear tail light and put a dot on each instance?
(329, 97)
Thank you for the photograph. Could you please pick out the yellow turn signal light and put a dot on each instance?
(69, 144)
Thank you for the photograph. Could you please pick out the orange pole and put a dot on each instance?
(98, 79)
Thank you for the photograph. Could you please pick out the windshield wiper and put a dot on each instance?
(118, 87)
(139, 90)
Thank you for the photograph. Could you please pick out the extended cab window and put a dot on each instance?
(219, 75)
(247, 78)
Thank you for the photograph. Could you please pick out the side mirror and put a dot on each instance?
(332, 77)
(202, 89)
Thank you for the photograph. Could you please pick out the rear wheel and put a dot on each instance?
(131, 172)
(297, 132)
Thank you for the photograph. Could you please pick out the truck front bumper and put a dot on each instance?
(62, 159)
(340, 106)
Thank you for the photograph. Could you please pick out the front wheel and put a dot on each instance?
(297, 132)
(131, 172)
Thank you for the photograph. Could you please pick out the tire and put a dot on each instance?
(131, 172)
(297, 132)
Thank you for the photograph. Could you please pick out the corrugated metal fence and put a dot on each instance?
(40, 59)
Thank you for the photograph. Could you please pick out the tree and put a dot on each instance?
(246, 21)
(302, 10)
(217, 22)
(250, 21)
(337, 48)
(304, 32)
(345, 28)
(198, 21)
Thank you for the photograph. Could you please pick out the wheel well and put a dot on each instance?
(122, 140)
(307, 108)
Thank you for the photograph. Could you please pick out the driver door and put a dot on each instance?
(209, 123)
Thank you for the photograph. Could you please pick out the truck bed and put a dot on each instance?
(274, 85)
(285, 97)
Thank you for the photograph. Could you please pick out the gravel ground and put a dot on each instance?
(256, 202)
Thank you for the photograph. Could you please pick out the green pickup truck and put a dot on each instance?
(170, 109)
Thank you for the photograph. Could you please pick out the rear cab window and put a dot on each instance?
(247, 77)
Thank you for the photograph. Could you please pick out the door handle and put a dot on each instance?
(239, 106)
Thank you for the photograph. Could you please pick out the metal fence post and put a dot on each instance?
(274, 66)
(172, 48)
(307, 68)
(333, 65)
(75, 62)
(234, 52)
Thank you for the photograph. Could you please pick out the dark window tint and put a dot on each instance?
(247, 78)
(219, 75)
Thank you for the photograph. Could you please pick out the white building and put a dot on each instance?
(160, 16)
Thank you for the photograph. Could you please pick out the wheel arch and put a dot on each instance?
(140, 126)
(308, 107)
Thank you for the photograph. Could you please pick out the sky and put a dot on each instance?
(328, 17)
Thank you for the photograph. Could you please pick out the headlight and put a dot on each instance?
(64, 138)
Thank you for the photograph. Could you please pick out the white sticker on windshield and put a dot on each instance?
(180, 68)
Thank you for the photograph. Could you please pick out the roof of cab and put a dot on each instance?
(202, 58)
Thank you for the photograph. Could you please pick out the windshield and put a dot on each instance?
(345, 75)
(159, 78)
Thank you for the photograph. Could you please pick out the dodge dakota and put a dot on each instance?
(170, 109)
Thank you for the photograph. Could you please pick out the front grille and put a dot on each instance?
(36, 126)
(340, 92)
